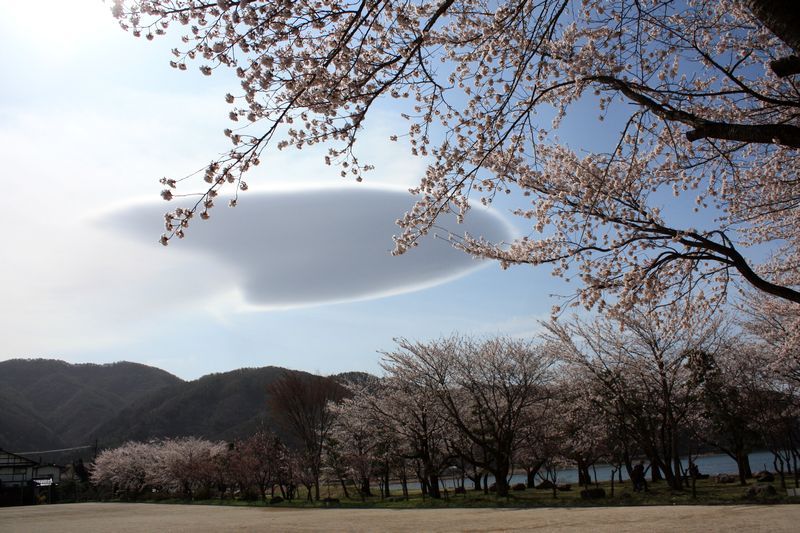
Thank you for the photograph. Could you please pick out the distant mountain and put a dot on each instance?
(48, 404)
(353, 377)
(217, 406)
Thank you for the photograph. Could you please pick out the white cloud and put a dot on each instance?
(317, 245)
(90, 116)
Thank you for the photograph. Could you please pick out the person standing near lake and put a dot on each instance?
(638, 479)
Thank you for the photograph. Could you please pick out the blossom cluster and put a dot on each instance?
(711, 124)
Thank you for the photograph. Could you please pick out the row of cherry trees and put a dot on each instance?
(606, 390)
(191, 467)
(586, 392)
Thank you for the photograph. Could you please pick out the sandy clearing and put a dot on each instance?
(133, 517)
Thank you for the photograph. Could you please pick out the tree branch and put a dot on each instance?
(786, 66)
(781, 17)
(784, 134)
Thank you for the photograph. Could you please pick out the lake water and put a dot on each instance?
(707, 464)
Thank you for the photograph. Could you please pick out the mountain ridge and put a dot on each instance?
(52, 404)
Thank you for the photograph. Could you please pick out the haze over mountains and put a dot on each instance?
(49, 404)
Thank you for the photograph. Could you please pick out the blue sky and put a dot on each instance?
(91, 118)
(298, 276)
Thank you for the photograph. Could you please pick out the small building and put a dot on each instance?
(22, 478)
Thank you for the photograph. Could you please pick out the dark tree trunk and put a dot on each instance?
(476, 481)
(434, 486)
(781, 17)
(613, 473)
(501, 479)
(423, 485)
(626, 459)
(655, 471)
(743, 465)
(583, 473)
(365, 489)
(778, 464)
(530, 482)
(672, 478)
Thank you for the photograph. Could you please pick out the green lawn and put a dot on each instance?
(708, 493)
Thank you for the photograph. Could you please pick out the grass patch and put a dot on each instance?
(709, 492)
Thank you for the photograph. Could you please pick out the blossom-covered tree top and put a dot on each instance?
(709, 93)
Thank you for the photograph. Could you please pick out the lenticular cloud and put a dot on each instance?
(316, 246)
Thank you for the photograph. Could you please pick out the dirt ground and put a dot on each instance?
(133, 517)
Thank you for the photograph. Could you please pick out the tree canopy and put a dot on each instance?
(708, 93)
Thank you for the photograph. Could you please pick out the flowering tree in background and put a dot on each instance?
(178, 466)
(706, 94)
(415, 419)
(127, 468)
(185, 465)
(255, 462)
(730, 384)
(586, 432)
(775, 326)
(609, 390)
(640, 368)
(489, 391)
(358, 438)
(300, 405)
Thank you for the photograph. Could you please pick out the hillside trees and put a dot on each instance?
(704, 98)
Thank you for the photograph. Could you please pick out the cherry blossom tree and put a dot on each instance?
(729, 383)
(530, 456)
(776, 418)
(775, 325)
(405, 411)
(128, 468)
(489, 391)
(639, 364)
(300, 405)
(179, 466)
(585, 430)
(359, 439)
(706, 95)
(185, 465)
(255, 462)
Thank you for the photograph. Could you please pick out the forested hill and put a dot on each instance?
(217, 406)
(48, 404)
